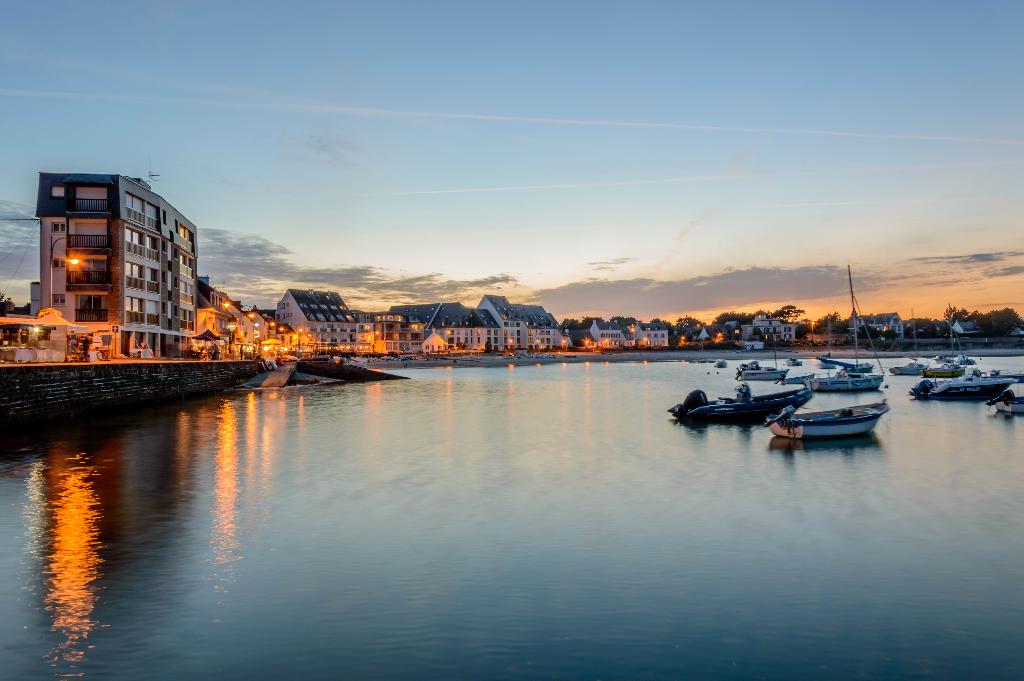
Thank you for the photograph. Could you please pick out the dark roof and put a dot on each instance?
(90, 178)
(446, 315)
(322, 306)
(651, 326)
(607, 326)
(532, 315)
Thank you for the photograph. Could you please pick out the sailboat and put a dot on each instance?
(855, 378)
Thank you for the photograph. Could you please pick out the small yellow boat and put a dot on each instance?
(944, 371)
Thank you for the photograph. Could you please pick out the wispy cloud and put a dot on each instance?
(270, 102)
(610, 264)
(970, 258)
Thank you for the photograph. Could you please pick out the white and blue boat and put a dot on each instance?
(843, 422)
(855, 366)
(963, 388)
(1008, 403)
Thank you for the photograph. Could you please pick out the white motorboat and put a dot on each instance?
(796, 380)
(1008, 403)
(909, 369)
(963, 388)
(753, 371)
(845, 381)
(794, 362)
(844, 422)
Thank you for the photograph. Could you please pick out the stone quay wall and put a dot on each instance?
(345, 372)
(42, 391)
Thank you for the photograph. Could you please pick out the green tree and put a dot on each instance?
(789, 313)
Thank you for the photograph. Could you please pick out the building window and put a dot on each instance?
(59, 228)
(58, 298)
(58, 263)
(57, 191)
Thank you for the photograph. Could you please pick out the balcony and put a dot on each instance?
(187, 325)
(91, 315)
(135, 282)
(88, 242)
(152, 319)
(186, 271)
(186, 298)
(91, 205)
(140, 218)
(80, 281)
(153, 286)
(132, 317)
(142, 251)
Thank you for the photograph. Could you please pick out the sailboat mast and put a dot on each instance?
(853, 314)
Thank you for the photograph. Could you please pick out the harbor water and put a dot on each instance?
(527, 522)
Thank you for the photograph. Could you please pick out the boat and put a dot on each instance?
(796, 380)
(845, 381)
(794, 362)
(753, 371)
(721, 364)
(843, 422)
(964, 388)
(1017, 376)
(909, 369)
(944, 371)
(1008, 403)
(856, 367)
(745, 406)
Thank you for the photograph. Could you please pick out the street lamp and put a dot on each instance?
(71, 261)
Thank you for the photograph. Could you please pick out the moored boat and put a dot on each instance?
(944, 371)
(794, 362)
(909, 369)
(745, 406)
(721, 364)
(964, 388)
(1008, 403)
(753, 371)
(844, 422)
(845, 381)
(796, 380)
(855, 366)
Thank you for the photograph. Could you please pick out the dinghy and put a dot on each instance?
(1008, 403)
(844, 422)
(753, 371)
(794, 362)
(721, 364)
(909, 369)
(845, 381)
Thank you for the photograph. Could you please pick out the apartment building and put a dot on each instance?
(524, 327)
(117, 257)
(458, 326)
(322, 318)
(766, 327)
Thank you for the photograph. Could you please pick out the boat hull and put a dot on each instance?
(906, 371)
(809, 431)
(966, 390)
(836, 384)
(756, 409)
(861, 367)
(762, 374)
(1011, 408)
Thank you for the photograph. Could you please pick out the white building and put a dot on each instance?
(524, 327)
(886, 322)
(323, 318)
(608, 335)
(461, 327)
(767, 328)
(649, 335)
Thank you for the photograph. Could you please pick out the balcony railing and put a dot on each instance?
(152, 319)
(82, 280)
(141, 218)
(87, 241)
(186, 271)
(91, 315)
(132, 317)
(91, 205)
(142, 251)
(187, 325)
(153, 286)
(186, 298)
(135, 282)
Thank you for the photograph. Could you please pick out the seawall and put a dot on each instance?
(55, 390)
(345, 372)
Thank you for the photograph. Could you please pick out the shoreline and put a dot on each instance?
(496, 361)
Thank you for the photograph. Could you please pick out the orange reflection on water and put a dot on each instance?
(73, 563)
(225, 492)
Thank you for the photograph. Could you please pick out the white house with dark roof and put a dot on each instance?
(608, 335)
(885, 322)
(768, 327)
(323, 318)
(649, 335)
(461, 327)
(524, 326)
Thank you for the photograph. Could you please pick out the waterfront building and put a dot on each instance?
(607, 335)
(116, 257)
(764, 326)
(435, 343)
(524, 327)
(393, 333)
(885, 322)
(461, 327)
(323, 319)
(649, 335)
(211, 314)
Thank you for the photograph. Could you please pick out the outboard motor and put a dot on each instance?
(1006, 398)
(922, 389)
(695, 399)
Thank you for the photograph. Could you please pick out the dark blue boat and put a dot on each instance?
(744, 407)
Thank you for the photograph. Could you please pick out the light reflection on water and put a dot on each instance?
(533, 522)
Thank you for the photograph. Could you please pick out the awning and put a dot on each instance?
(206, 336)
(271, 341)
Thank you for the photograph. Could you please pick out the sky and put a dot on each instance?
(645, 158)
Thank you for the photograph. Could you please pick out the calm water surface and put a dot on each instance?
(529, 523)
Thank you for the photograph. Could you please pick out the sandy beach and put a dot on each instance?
(524, 359)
